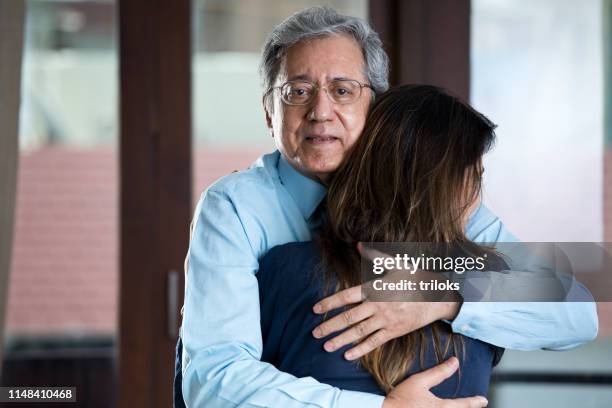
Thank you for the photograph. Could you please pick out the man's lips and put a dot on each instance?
(321, 138)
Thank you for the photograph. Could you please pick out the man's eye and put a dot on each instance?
(342, 91)
(299, 93)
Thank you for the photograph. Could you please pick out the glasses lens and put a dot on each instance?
(297, 92)
(345, 91)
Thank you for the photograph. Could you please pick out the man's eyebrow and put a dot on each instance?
(301, 77)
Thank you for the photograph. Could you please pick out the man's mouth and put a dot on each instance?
(321, 139)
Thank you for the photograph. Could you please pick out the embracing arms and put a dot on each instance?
(222, 341)
(513, 325)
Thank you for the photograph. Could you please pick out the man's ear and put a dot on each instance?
(265, 107)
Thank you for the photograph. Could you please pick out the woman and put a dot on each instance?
(413, 176)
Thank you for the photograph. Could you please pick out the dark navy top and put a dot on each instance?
(289, 286)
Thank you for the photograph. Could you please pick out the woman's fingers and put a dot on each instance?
(345, 319)
(339, 299)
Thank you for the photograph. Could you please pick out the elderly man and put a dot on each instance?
(320, 71)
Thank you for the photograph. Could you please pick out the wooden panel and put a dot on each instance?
(91, 369)
(427, 41)
(155, 161)
(385, 23)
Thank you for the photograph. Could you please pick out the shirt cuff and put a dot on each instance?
(353, 399)
(468, 316)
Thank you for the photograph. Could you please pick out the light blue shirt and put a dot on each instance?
(243, 215)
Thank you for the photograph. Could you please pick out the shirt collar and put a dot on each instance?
(306, 192)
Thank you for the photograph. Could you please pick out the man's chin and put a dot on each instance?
(320, 169)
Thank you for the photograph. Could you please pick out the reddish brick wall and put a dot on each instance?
(65, 255)
(64, 263)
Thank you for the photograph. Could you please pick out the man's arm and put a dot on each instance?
(524, 325)
(221, 333)
(529, 325)
(513, 325)
(221, 327)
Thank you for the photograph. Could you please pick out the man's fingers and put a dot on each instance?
(345, 319)
(342, 298)
(357, 332)
(375, 340)
(471, 402)
(435, 375)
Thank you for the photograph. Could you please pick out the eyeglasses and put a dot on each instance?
(341, 91)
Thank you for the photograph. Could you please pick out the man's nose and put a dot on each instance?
(322, 108)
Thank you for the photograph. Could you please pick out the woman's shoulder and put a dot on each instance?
(294, 264)
(476, 361)
(291, 252)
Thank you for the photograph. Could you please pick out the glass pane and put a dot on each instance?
(229, 125)
(537, 71)
(61, 320)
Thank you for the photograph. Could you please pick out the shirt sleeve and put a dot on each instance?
(222, 342)
(524, 325)
(528, 325)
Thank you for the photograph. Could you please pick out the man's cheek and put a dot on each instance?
(355, 122)
(354, 133)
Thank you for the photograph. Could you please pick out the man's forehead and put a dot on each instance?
(305, 61)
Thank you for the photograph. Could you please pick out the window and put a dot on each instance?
(62, 308)
(537, 71)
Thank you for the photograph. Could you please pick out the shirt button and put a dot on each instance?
(465, 328)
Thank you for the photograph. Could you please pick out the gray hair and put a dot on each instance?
(322, 22)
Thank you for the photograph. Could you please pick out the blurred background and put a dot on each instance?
(539, 69)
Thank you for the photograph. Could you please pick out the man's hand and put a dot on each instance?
(374, 323)
(414, 392)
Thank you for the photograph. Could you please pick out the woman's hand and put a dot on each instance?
(374, 323)
(414, 392)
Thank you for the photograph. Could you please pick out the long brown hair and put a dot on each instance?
(409, 178)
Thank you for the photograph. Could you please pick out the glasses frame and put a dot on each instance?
(319, 87)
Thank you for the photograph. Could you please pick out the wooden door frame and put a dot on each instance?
(427, 41)
(155, 191)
